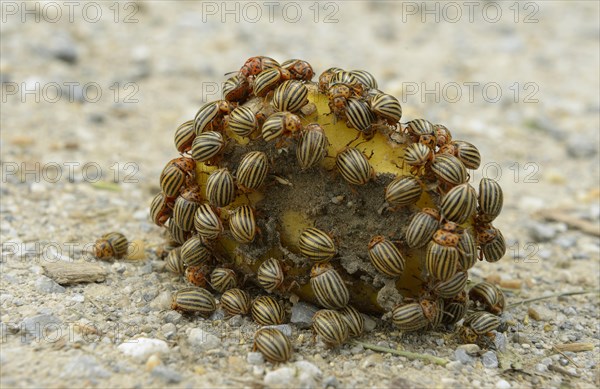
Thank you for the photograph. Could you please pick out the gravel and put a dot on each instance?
(118, 331)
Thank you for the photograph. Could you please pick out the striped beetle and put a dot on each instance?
(455, 308)
(220, 188)
(316, 245)
(490, 200)
(442, 256)
(449, 169)
(459, 203)
(267, 80)
(343, 77)
(468, 154)
(281, 123)
(452, 287)
(290, 96)
(422, 227)
(161, 209)
(365, 78)
(477, 324)
(328, 286)
(242, 121)
(359, 116)
(185, 208)
(174, 263)
(266, 311)
(403, 190)
(223, 279)
(236, 89)
(177, 233)
(211, 116)
(299, 69)
(422, 131)
(207, 146)
(489, 296)
(194, 300)
(111, 245)
(195, 253)
(386, 107)
(207, 223)
(255, 65)
(325, 79)
(173, 176)
(236, 302)
(468, 250)
(354, 320)
(409, 317)
(491, 242)
(270, 274)
(184, 136)
(273, 344)
(252, 170)
(386, 257)
(312, 146)
(417, 155)
(330, 326)
(354, 166)
(242, 224)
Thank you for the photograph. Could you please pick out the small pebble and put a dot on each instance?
(48, 285)
(285, 328)
(302, 314)
(203, 340)
(255, 358)
(141, 348)
(371, 360)
(541, 232)
(330, 382)
(280, 378)
(167, 374)
(502, 384)
(489, 360)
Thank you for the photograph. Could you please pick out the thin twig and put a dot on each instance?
(564, 355)
(407, 354)
(563, 216)
(513, 305)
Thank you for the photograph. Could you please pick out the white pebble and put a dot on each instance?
(141, 348)
(502, 384)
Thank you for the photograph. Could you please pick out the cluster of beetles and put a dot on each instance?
(197, 216)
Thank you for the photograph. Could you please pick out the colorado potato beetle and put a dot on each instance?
(195, 253)
(459, 203)
(328, 286)
(386, 257)
(422, 227)
(312, 146)
(207, 146)
(299, 69)
(354, 320)
(269, 79)
(403, 191)
(185, 208)
(236, 302)
(365, 78)
(386, 107)
(273, 344)
(223, 279)
(174, 263)
(252, 170)
(210, 117)
(270, 274)
(220, 188)
(236, 89)
(242, 224)
(290, 96)
(255, 65)
(489, 296)
(442, 256)
(174, 174)
(316, 245)
(354, 166)
(266, 311)
(330, 326)
(111, 245)
(281, 123)
(184, 136)
(194, 300)
(242, 121)
(490, 199)
(161, 209)
(207, 223)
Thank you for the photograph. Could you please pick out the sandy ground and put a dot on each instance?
(91, 95)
